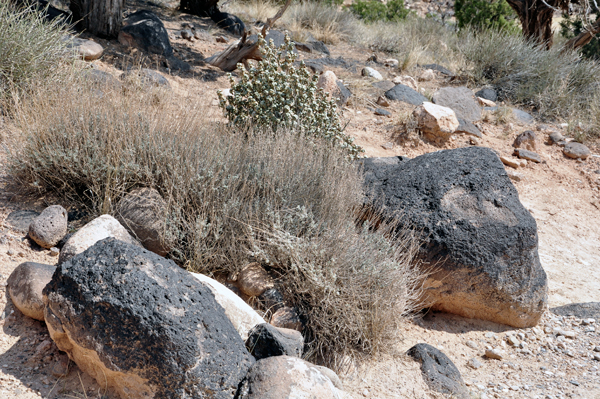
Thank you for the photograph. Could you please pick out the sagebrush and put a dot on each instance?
(234, 197)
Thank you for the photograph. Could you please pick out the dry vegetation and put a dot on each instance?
(235, 198)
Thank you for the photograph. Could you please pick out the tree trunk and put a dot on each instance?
(98, 17)
(584, 37)
(536, 18)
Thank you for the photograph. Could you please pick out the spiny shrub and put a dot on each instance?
(31, 49)
(232, 199)
(486, 14)
(276, 95)
(373, 10)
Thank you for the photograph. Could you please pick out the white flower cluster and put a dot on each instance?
(276, 94)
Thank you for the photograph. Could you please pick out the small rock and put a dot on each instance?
(25, 285)
(388, 145)
(513, 341)
(474, 364)
(486, 103)
(487, 94)
(49, 227)
(10, 252)
(253, 280)
(221, 39)
(435, 121)
(555, 137)
(87, 49)
(384, 85)
(427, 75)
(494, 354)
(265, 340)
(472, 345)
(597, 349)
(576, 151)
(522, 116)
(382, 112)
(391, 63)
(61, 367)
(513, 163)
(287, 317)
(406, 81)
(187, 34)
(587, 322)
(372, 73)
(383, 101)
(54, 251)
(526, 140)
(529, 155)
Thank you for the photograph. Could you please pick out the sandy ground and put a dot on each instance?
(562, 194)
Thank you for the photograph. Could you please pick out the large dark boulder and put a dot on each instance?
(208, 8)
(144, 30)
(406, 94)
(439, 372)
(142, 326)
(480, 240)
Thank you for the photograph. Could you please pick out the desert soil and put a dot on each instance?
(562, 194)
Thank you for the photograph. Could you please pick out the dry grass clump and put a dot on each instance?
(233, 199)
(31, 49)
(330, 24)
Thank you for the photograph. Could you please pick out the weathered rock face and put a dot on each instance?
(144, 30)
(439, 372)
(241, 315)
(480, 238)
(25, 285)
(49, 227)
(288, 377)
(461, 100)
(334, 87)
(436, 122)
(86, 49)
(287, 317)
(142, 326)
(96, 230)
(142, 211)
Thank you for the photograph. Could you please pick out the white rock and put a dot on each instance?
(494, 354)
(435, 121)
(391, 62)
(372, 73)
(98, 229)
(241, 315)
(406, 81)
(427, 75)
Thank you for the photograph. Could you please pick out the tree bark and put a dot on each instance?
(536, 18)
(584, 37)
(98, 17)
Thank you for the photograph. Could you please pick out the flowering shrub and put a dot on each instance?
(278, 95)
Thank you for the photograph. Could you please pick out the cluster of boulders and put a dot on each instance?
(144, 327)
(113, 290)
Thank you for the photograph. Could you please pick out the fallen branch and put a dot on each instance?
(583, 38)
(244, 50)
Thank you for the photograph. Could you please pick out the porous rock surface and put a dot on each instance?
(140, 325)
(479, 238)
(49, 227)
(142, 212)
(25, 285)
(102, 227)
(288, 377)
(439, 372)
